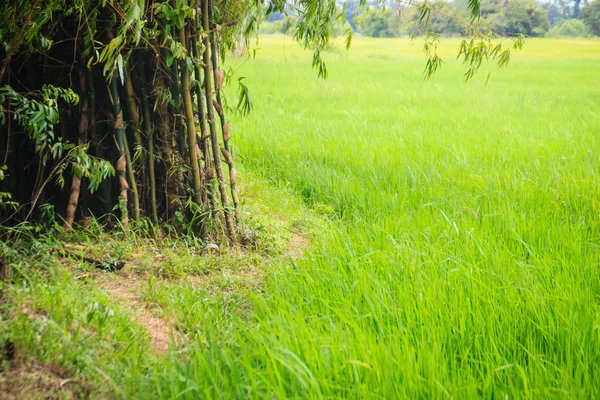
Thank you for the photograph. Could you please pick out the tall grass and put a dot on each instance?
(461, 260)
(467, 256)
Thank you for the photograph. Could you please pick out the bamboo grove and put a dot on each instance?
(114, 108)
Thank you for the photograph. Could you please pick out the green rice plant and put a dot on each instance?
(465, 261)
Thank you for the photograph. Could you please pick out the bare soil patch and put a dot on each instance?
(297, 246)
(34, 380)
(123, 288)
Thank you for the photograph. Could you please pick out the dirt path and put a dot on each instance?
(123, 289)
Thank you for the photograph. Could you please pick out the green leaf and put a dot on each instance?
(349, 35)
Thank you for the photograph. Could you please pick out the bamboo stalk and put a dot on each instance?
(119, 134)
(135, 197)
(213, 130)
(132, 108)
(177, 111)
(204, 162)
(209, 171)
(176, 88)
(191, 126)
(82, 132)
(219, 76)
(151, 163)
(165, 138)
(135, 126)
(150, 134)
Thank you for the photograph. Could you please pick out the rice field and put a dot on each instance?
(454, 246)
(465, 257)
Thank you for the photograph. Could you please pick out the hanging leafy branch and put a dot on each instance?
(38, 117)
(478, 48)
(5, 197)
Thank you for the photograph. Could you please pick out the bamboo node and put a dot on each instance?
(219, 78)
(226, 134)
(226, 155)
(218, 108)
(122, 164)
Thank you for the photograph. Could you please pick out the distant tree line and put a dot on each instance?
(557, 18)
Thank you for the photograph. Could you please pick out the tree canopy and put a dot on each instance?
(591, 16)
